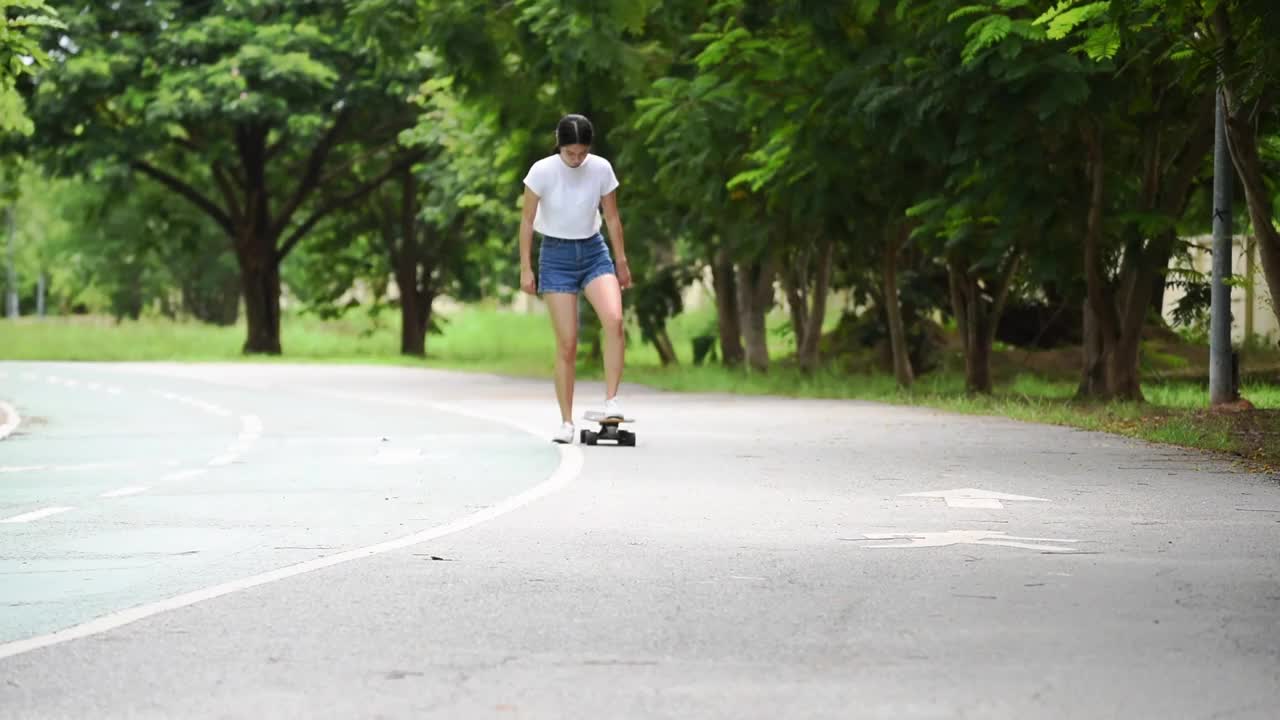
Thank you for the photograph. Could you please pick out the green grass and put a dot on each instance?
(482, 338)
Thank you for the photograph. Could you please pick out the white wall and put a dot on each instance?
(1263, 318)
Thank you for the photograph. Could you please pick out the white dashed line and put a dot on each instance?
(28, 517)
(11, 419)
(124, 491)
(250, 431)
(184, 474)
(78, 467)
(196, 403)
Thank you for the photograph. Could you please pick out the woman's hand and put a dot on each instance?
(624, 273)
(527, 281)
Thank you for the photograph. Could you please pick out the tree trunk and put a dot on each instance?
(965, 303)
(1093, 374)
(817, 310)
(1123, 376)
(260, 283)
(728, 318)
(1117, 313)
(901, 354)
(414, 266)
(977, 367)
(755, 297)
(977, 318)
(1101, 324)
(794, 283)
(662, 343)
(256, 248)
(1243, 141)
(413, 316)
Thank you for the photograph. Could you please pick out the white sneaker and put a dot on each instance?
(564, 435)
(613, 409)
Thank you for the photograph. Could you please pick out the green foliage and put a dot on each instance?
(108, 244)
(22, 25)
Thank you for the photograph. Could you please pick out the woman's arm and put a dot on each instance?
(527, 282)
(609, 203)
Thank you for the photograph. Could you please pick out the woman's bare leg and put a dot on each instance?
(563, 308)
(606, 297)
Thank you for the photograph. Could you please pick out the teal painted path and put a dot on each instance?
(122, 488)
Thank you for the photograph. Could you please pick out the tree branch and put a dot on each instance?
(311, 176)
(274, 148)
(342, 202)
(223, 180)
(185, 190)
(1002, 292)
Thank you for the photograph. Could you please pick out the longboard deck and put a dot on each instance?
(596, 416)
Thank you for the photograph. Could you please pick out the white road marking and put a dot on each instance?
(28, 517)
(571, 460)
(252, 425)
(12, 419)
(125, 491)
(79, 466)
(184, 474)
(974, 498)
(975, 503)
(196, 403)
(250, 431)
(969, 537)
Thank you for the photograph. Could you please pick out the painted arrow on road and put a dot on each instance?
(974, 498)
(970, 537)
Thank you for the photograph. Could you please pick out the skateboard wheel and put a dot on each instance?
(627, 438)
(589, 437)
(583, 436)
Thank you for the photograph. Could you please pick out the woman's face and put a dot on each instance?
(574, 155)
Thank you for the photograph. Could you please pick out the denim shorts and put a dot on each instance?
(568, 266)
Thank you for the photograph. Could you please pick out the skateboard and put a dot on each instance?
(609, 430)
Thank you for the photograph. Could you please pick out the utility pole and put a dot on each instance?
(1221, 386)
(11, 297)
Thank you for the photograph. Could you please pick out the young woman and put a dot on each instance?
(563, 196)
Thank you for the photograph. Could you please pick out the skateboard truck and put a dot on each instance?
(609, 430)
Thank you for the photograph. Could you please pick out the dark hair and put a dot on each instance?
(573, 130)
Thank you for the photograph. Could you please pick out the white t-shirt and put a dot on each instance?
(569, 198)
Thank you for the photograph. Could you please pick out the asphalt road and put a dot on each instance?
(216, 541)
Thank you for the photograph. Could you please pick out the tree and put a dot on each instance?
(113, 242)
(251, 111)
(1206, 45)
(21, 56)
(1144, 141)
